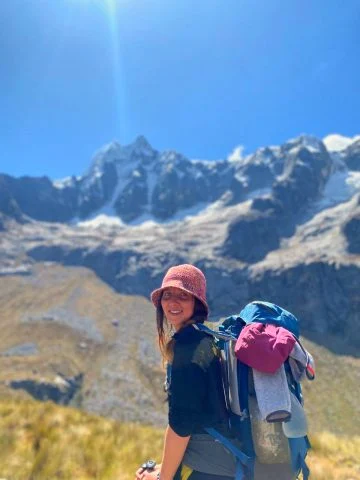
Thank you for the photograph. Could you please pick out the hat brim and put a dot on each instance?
(156, 294)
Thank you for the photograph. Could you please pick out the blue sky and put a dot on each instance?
(200, 77)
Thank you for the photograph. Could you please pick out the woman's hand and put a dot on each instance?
(142, 474)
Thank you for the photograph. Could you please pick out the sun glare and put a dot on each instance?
(118, 78)
(111, 10)
(110, 4)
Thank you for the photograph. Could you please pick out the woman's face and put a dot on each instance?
(178, 306)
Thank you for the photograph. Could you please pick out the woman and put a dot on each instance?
(195, 394)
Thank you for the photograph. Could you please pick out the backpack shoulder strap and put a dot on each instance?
(240, 422)
(298, 451)
(214, 333)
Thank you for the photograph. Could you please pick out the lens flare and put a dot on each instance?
(112, 7)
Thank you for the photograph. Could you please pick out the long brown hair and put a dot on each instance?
(165, 332)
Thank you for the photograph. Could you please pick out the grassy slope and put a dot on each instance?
(332, 399)
(35, 437)
(123, 367)
(108, 355)
(42, 441)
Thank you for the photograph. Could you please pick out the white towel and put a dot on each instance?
(273, 396)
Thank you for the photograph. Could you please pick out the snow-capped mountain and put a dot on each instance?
(134, 183)
(282, 223)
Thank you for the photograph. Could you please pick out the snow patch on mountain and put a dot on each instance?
(340, 187)
(65, 182)
(260, 192)
(180, 215)
(145, 219)
(237, 154)
(354, 181)
(101, 220)
(338, 143)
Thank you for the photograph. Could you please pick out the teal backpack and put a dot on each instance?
(260, 439)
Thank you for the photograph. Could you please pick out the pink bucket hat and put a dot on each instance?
(187, 278)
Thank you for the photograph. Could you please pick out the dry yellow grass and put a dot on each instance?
(335, 458)
(331, 401)
(42, 441)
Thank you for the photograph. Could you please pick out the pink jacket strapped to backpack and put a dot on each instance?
(264, 347)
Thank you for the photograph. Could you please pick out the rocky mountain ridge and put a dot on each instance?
(136, 182)
(280, 224)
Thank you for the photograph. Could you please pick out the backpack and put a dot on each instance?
(259, 438)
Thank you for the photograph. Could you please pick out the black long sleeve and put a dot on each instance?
(196, 398)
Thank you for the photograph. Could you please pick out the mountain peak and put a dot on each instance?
(310, 142)
(109, 153)
(141, 141)
(140, 149)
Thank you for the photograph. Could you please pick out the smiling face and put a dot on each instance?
(178, 306)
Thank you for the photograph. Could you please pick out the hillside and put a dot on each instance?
(59, 323)
(69, 337)
(331, 400)
(35, 439)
